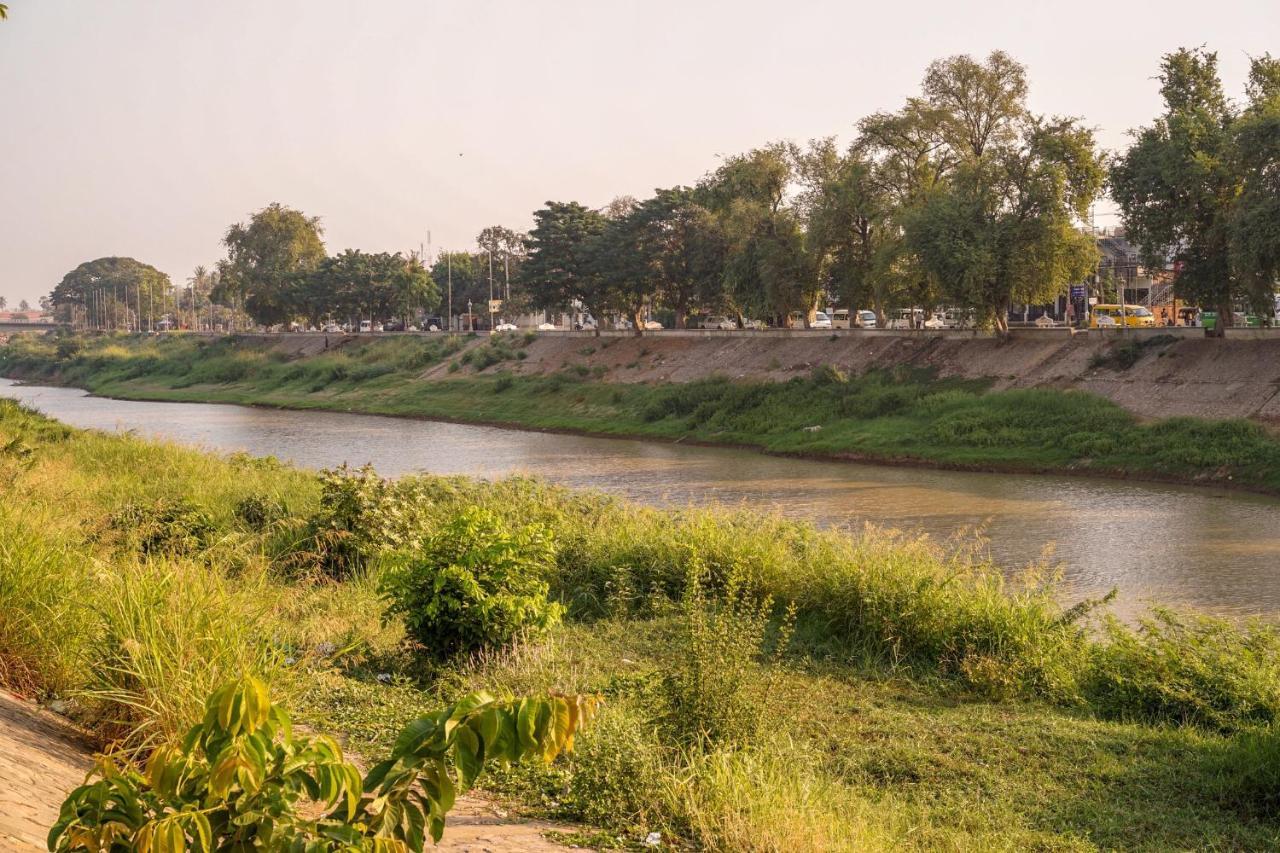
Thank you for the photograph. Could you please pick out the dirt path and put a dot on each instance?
(42, 759)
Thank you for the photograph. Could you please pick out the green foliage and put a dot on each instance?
(360, 516)
(1187, 669)
(242, 779)
(1198, 185)
(257, 511)
(166, 526)
(476, 584)
(716, 693)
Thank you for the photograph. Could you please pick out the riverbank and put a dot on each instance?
(909, 414)
(922, 702)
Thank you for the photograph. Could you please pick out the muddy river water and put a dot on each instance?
(1214, 550)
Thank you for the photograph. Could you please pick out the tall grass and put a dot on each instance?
(898, 643)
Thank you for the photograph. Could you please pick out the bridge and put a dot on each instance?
(20, 326)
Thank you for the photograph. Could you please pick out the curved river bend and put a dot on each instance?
(1177, 545)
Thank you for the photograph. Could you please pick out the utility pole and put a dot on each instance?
(490, 251)
(448, 260)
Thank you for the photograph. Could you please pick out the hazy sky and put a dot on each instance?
(146, 127)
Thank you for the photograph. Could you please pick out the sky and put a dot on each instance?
(147, 127)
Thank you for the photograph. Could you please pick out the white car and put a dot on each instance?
(546, 327)
(506, 327)
(719, 322)
(821, 320)
(1044, 321)
(652, 326)
(867, 319)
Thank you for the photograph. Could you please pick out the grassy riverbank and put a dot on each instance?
(903, 415)
(920, 703)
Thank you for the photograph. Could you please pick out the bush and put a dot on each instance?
(360, 516)
(475, 585)
(715, 694)
(257, 512)
(1187, 669)
(167, 526)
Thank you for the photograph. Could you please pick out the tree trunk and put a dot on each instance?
(637, 321)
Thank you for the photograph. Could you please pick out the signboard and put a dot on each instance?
(495, 305)
(1077, 291)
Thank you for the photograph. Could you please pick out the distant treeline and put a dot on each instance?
(963, 197)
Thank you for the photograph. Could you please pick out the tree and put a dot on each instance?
(558, 272)
(906, 158)
(507, 249)
(24, 305)
(466, 275)
(109, 291)
(623, 263)
(3, 303)
(1001, 225)
(767, 272)
(688, 250)
(1198, 187)
(1253, 224)
(268, 262)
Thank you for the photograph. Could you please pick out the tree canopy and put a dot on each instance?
(1199, 186)
(269, 260)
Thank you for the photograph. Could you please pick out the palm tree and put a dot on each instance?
(3, 302)
(4, 11)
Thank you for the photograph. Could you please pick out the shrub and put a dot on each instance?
(167, 526)
(504, 382)
(715, 694)
(476, 584)
(1187, 669)
(257, 512)
(242, 780)
(360, 516)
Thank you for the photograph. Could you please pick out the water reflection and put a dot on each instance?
(1176, 545)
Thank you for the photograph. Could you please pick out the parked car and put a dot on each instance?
(840, 318)
(652, 326)
(333, 329)
(937, 320)
(433, 324)
(546, 327)
(866, 319)
(718, 321)
(366, 325)
(506, 327)
(1044, 321)
(821, 320)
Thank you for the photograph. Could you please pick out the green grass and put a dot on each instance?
(901, 415)
(925, 702)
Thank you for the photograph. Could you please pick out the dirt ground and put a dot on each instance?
(42, 759)
(1191, 375)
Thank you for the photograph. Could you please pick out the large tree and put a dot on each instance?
(269, 260)
(767, 271)
(559, 273)
(1199, 187)
(1002, 225)
(115, 292)
(687, 250)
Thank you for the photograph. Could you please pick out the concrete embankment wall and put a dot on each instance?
(1188, 375)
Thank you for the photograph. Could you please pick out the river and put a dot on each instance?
(1200, 547)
